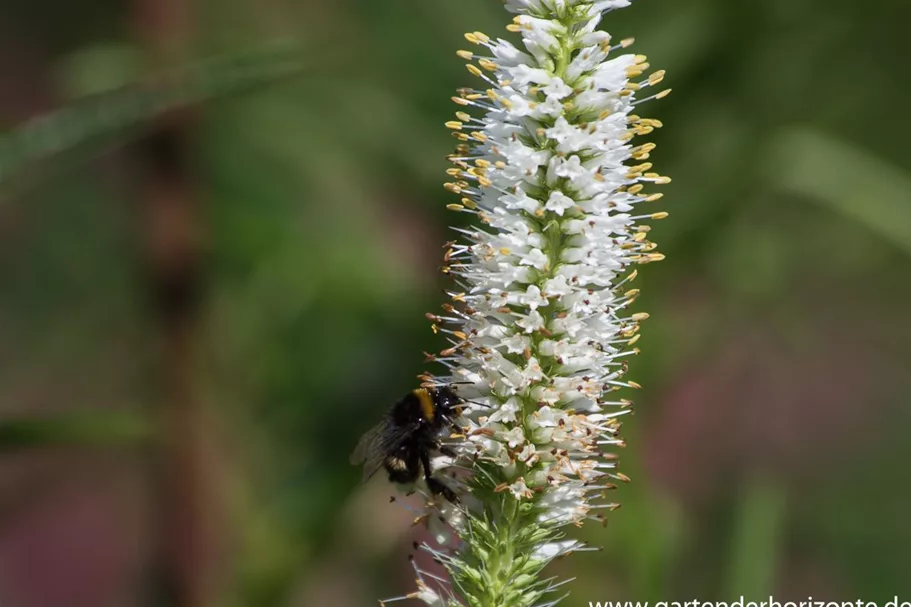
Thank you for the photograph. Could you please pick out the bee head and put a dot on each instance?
(447, 402)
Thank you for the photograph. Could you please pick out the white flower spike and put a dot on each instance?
(540, 326)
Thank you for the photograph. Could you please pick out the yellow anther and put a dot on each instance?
(652, 122)
(472, 38)
(640, 316)
(660, 215)
(632, 293)
(453, 188)
(454, 172)
(461, 335)
(654, 197)
(479, 136)
(657, 77)
(505, 251)
(463, 116)
(482, 37)
(474, 96)
(482, 163)
(640, 236)
(475, 70)
(455, 207)
(632, 276)
(460, 136)
(634, 386)
(488, 65)
(515, 28)
(460, 101)
(628, 42)
(454, 124)
(484, 182)
(635, 338)
(635, 189)
(466, 55)
(663, 94)
(469, 203)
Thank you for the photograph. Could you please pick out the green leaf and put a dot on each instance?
(95, 119)
(755, 540)
(846, 179)
(99, 427)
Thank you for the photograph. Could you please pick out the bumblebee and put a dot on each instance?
(403, 441)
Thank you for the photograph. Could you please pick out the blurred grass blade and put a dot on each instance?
(755, 537)
(97, 119)
(846, 179)
(91, 428)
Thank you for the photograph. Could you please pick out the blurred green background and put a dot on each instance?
(220, 229)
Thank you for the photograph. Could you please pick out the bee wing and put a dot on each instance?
(377, 443)
(368, 443)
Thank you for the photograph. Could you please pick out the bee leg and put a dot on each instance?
(435, 486)
(447, 451)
